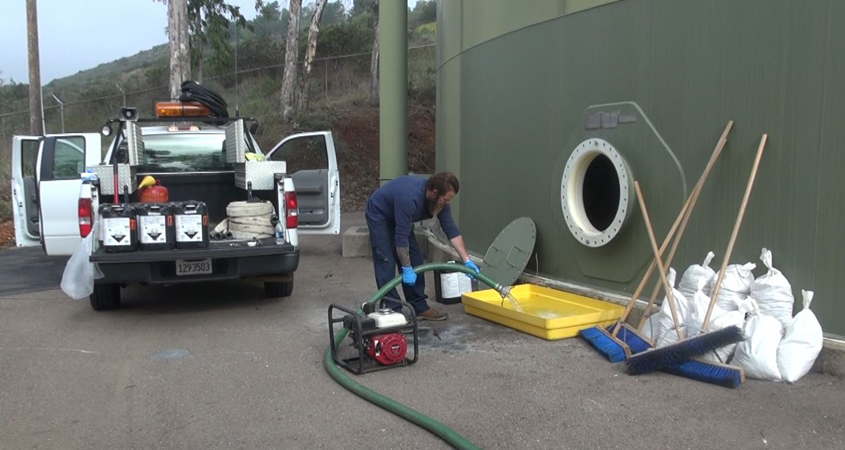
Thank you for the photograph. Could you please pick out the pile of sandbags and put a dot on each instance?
(777, 347)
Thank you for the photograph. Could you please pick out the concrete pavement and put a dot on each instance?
(218, 366)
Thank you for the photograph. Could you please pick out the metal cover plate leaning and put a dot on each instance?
(510, 252)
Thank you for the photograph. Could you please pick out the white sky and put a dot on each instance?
(76, 35)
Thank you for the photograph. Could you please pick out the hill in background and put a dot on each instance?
(339, 87)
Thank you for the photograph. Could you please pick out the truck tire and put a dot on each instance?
(276, 289)
(105, 297)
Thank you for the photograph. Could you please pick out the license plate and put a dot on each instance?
(193, 267)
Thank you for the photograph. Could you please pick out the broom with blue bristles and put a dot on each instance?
(624, 340)
(676, 358)
(619, 341)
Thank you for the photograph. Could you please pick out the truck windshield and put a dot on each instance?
(184, 152)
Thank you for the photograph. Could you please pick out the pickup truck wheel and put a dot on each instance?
(274, 289)
(105, 297)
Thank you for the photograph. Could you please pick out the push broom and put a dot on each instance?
(720, 374)
(694, 195)
(616, 347)
(671, 357)
(684, 349)
(715, 373)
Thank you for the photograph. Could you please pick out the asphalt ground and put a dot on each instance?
(218, 366)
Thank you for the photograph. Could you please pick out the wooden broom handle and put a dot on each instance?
(658, 259)
(735, 232)
(693, 198)
(650, 270)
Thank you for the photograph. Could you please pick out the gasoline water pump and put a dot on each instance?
(377, 335)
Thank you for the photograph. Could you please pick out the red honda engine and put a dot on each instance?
(387, 349)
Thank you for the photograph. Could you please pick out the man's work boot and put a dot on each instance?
(432, 314)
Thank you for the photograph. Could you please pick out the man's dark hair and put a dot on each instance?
(443, 182)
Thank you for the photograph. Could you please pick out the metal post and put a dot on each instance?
(61, 111)
(393, 89)
(122, 92)
(327, 78)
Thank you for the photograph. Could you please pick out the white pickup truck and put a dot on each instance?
(54, 207)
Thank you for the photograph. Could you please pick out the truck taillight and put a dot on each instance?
(291, 210)
(86, 217)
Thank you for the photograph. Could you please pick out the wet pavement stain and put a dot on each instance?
(170, 353)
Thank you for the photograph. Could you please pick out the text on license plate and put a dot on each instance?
(193, 267)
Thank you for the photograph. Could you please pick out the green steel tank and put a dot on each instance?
(551, 109)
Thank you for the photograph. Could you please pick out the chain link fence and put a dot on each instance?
(335, 82)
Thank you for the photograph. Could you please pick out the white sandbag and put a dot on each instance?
(79, 275)
(802, 343)
(719, 319)
(696, 278)
(670, 336)
(665, 323)
(773, 292)
(651, 328)
(736, 285)
(758, 353)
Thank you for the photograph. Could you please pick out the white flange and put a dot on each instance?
(572, 193)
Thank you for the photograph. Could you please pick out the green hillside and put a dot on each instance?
(339, 86)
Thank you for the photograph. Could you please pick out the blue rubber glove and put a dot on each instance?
(408, 276)
(472, 266)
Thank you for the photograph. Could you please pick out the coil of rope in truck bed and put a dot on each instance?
(250, 220)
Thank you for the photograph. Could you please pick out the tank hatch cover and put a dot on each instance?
(510, 252)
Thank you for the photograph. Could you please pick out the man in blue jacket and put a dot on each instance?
(391, 212)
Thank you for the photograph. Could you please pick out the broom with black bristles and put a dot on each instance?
(624, 340)
(684, 349)
(676, 358)
(696, 193)
(696, 369)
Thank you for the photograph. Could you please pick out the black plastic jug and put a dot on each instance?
(118, 228)
(156, 226)
(191, 222)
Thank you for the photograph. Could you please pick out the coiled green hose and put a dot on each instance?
(440, 430)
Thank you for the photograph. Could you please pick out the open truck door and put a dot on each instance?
(312, 164)
(24, 203)
(46, 177)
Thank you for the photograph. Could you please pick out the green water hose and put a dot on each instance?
(440, 430)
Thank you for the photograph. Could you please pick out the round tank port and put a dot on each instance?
(594, 192)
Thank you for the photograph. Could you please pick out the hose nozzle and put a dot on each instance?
(504, 291)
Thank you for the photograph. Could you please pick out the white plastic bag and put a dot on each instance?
(736, 286)
(79, 275)
(696, 278)
(773, 292)
(802, 343)
(758, 353)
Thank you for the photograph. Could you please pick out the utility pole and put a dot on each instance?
(36, 112)
(180, 56)
(122, 92)
(61, 111)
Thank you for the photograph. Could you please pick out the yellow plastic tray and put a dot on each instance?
(547, 313)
